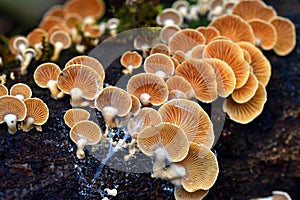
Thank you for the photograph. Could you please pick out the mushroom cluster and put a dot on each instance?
(17, 105)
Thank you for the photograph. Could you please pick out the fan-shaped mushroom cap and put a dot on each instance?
(201, 167)
(208, 32)
(3, 90)
(202, 78)
(146, 117)
(159, 64)
(90, 30)
(264, 32)
(48, 22)
(180, 84)
(259, 63)
(182, 6)
(36, 36)
(247, 57)
(286, 35)
(12, 110)
(74, 115)
(21, 91)
(234, 27)
(136, 105)
(189, 116)
(81, 82)
(131, 60)
(113, 102)
(169, 16)
(225, 77)
(85, 133)
(149, 88)
(175, 62)
(182, 194)
(246, 92)
(160, 48)
(18, 44)
(185, 40)
(45, 76)
(86, 8)
(60, 40)
(37, 114)
(56, 10)
(197, 51)
(88, 61)
(179, 55)
(233, 55)
(73, 20)
(245, 112)
(249, 9)
(167, 136)
(167, 32)
(176, 94)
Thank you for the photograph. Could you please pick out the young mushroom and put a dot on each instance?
(159, 64)
(21, 91)
(60, 40)
(74, 115)
(37, 114)
(112, 25)
(29, 53)
(131, 60)
(85, 133)
(169, 16)
(81, 82)
(114, 104)
(149, 88)
(35, 39)
(45, 76)
(19, 44)
(12, 110)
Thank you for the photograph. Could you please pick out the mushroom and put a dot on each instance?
(85, 133)
(3, 90)
(167, 32)
(21, 91)
(169, 16)
(12, 110)
(182, 6)
(45, 76)
(146, 117)
(208, 32)
(88, 61)
(91, 31)
(166, 136)
(56, 11)
(234, 27)
(149, 88)
(179, 83)
(246, 92)
(189, 116)
(160, 48)
(249, 9)
(247, 57)
(181, 194)
(136, 105)
(179, 55)
(259, 63)
(60, 40)
(29, 53)
(35, 39)
(37, 114)
(201, 167)
(264, 32)
(48, 22)
(286, 35)
(175, 62)
(176, 94)
(233, 55)
(18, 44)
(74, 115)
(185, 40)
(74, 21)
(114, 104)
(81, 82)
(112, 25)
(202, 78)
(197, 51)
(245, 112)
(143, 43)
(225, 77)
(131, 60)
(159, 64)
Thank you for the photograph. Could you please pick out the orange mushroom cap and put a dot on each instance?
(21, 90)
(131, 60)
(74, 115)
(197, 51)
(3, 90)
(167, 32)
(169, 16)
(189, 116)
(246, 112)
(202, 78)
(234, 27)
(56, 11)
(179, 83)
(48, 22)
(149, 88)
(233, 55)
(159, 64)
(208, 32)
(60, 40)
(182, 194)
(136, 105)
(86, 8)
(160, 48)
(286, 35)
(36, 36)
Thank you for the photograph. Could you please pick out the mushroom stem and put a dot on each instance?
(57, 49)
(25, 63)
(20, 96)
(174, 171)
(38, 49)
(128, 70)
(145, 99)
(76, 97)
(11, 121)
(161, 74)
(109, 113)
(80, 148)
(52, 85)
(27, 124)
